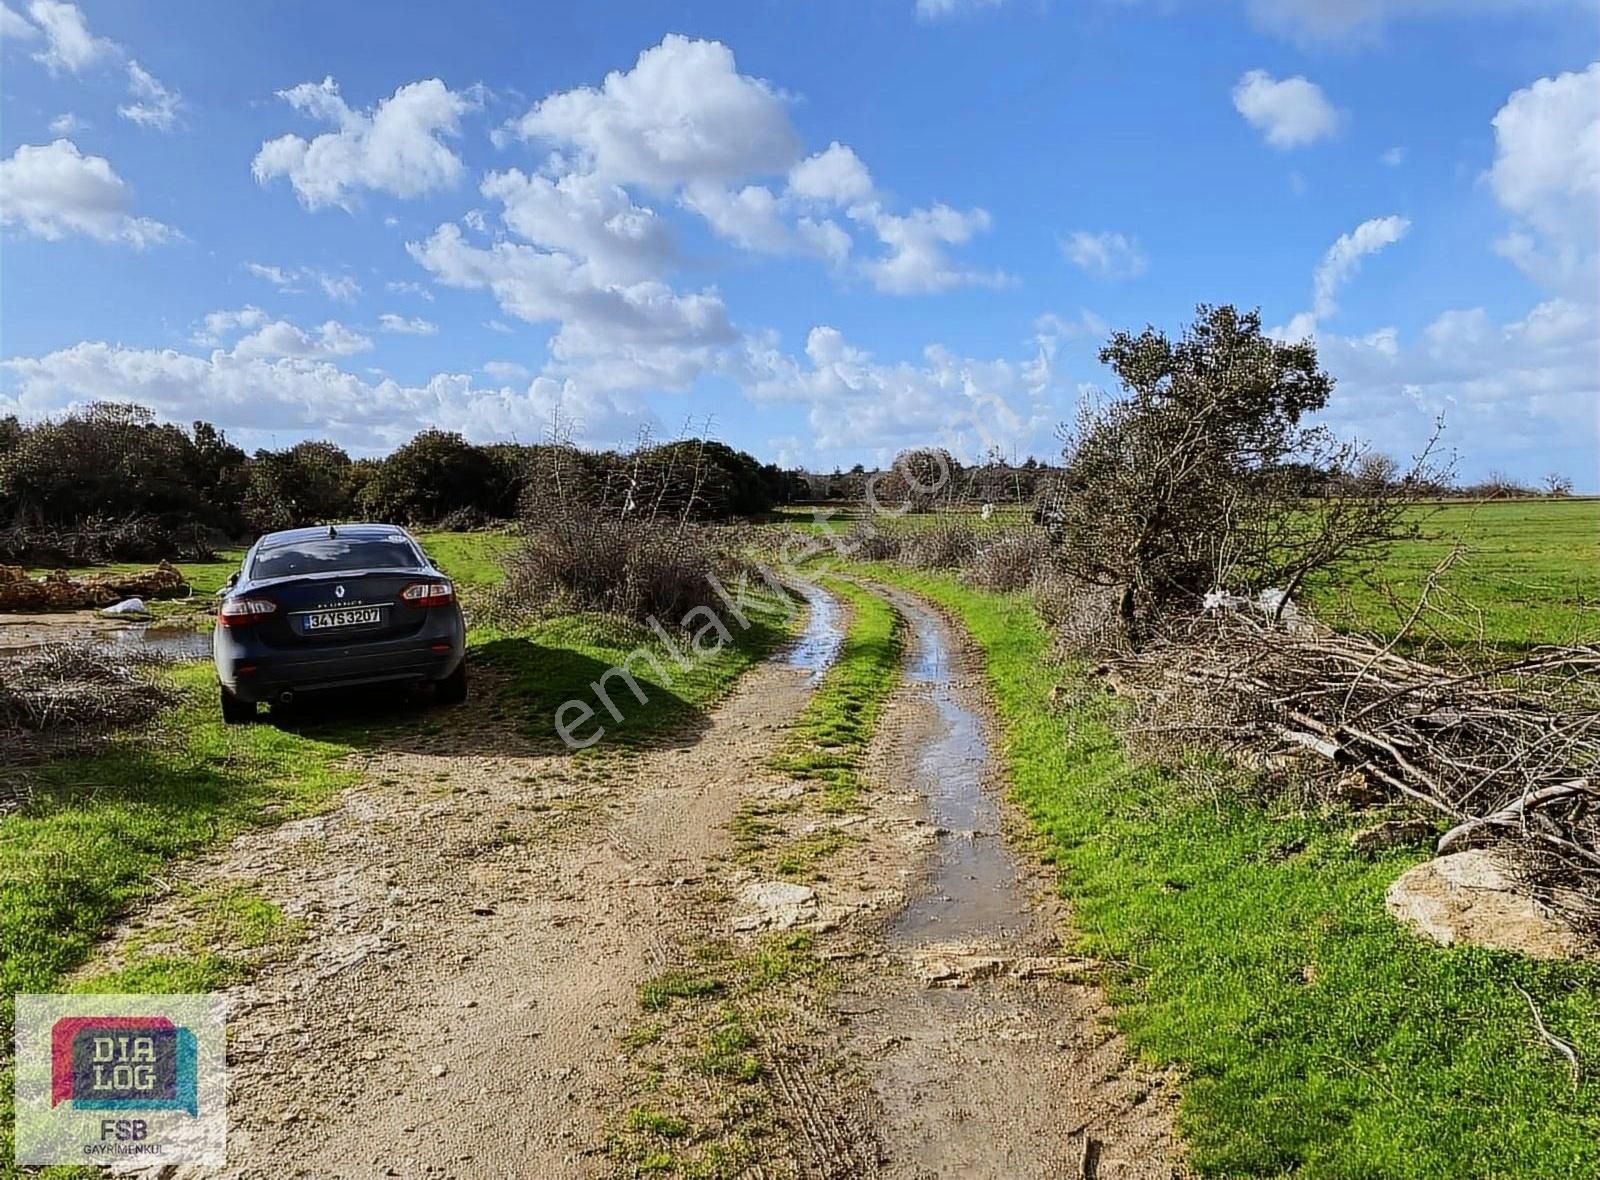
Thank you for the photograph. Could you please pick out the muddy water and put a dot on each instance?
(173, 641)
(973, 892)
(819, 644)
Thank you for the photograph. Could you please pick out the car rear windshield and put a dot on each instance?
(324, 555)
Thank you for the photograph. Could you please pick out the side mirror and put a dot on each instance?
(233, 580)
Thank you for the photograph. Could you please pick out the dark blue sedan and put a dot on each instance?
(335, 607)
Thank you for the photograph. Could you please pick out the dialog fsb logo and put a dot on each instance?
(106, 1077)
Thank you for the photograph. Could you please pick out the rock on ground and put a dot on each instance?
(1470, 897)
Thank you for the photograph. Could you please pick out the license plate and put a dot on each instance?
(355, 616)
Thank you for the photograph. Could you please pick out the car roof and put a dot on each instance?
(356, 531)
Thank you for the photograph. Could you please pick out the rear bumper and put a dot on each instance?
(433, 653)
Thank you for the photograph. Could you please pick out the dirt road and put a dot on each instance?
(478, 918)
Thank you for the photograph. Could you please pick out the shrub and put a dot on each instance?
(1012, 560)
(635, 569)
(865, 542)
(944, 547)
(101, 539)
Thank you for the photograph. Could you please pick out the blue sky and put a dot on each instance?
(832, 230)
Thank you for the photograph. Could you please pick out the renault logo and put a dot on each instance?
(338, 591)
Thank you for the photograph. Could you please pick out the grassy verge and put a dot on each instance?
(825, 746)
(702, 1053)
(1251, 949)
(829, 738)
(101, 831)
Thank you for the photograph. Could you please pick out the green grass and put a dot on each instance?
(560, 660)
(703, 1051)
(473, 559)
(101, 831)
(1248, 946)
(1530, 576)
(698, 1107)
(828, 740)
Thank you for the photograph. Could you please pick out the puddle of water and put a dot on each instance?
(822, 638)
(172, 641)
(973, 890)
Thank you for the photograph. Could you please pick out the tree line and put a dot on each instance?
(110, 482)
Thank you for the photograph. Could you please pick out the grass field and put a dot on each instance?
(1528, 574)
(1250, 948)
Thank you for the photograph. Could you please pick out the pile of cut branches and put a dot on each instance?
(64, 685)
(1508, 752)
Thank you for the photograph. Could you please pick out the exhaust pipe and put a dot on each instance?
(286, 697)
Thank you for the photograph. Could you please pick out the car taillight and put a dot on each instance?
(242, 612)
(428, 594)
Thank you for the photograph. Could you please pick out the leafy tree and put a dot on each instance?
(1196, 476)
(305, 484)
(438, 472)
(108, 460)
(921, 478)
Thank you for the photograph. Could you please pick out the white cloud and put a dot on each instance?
(506, 370)
(416, 326)
(1108, 255)
(407, 287)
(283, 339)
(1320, 22)
(757, 219)
(154, 105)
(752, 218)
(395, 148)
(1519, 395)
(1290, 113)
(219, 325)
(835, 176)
(858, 404)
(589, 219)
(54, 191)
(498, 326)
(682, 114)
(262, 399)
(942, 9)
(635, 333)
(67, 124)
(917, 261)
(276, 275)
(1546, 173)
(1394, 157)
(1343, 260)
(339, 288)
(69, 45)
(683, 121)
(15, 27)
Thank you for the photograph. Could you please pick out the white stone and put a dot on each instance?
(1469, 897)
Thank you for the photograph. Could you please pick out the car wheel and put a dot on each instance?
(452, 689)
(235, 711)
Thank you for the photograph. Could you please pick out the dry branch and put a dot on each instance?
(1510, 753)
